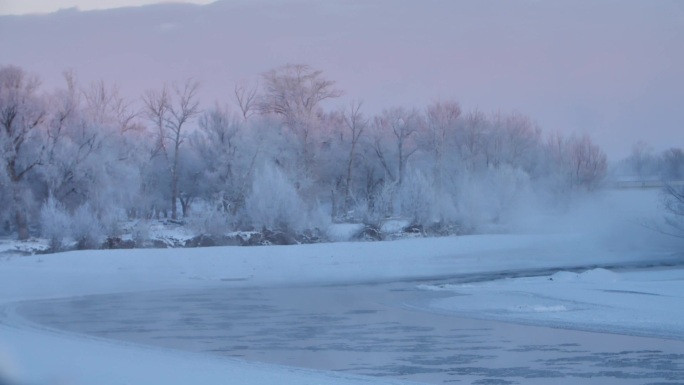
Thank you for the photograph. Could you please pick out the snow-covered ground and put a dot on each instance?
(631, 302)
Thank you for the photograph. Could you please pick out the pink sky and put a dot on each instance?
(20, 7)
(610, 68)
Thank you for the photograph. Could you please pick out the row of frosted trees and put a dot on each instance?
(280, 154)
(645, 163)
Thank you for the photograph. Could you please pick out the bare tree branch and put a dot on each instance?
(246, 98)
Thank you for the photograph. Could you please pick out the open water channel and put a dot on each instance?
(367, 329)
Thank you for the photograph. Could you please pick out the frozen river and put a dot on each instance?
(370, 329)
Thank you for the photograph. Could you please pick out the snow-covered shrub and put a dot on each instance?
(141, 232)
(418, 196)
(319, 218)
(274, 202)
(86, 228)
(381, 204)
(357, 211)
(111, 220)
(55, 223)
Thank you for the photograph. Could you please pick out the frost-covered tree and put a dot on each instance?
(522, 142)
(246, 97)
(217, 145)
(22, 114)
(294, 93)
(418, 196)
(6, 210)
(356, 124)
(442, 123)
(86, 228)
(274, 203)
(105, 105)
(510, 139)
(96, 146)
(82, 226)
(589, 162)
(395, 132)
(672, 164)
(669, 166)
(170, 111)
(381, 202)
(642, 160)
(55, 223)
(85, 151)
(574, 162)
(673, 203)
(470, 139)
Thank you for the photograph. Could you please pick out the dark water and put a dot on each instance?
(366, 329)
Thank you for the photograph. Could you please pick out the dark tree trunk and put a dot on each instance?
(22, 224)
(20, 212)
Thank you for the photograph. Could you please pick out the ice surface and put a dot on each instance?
(639, 302)
(593, 275)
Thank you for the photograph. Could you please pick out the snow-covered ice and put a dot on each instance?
(638, 302)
